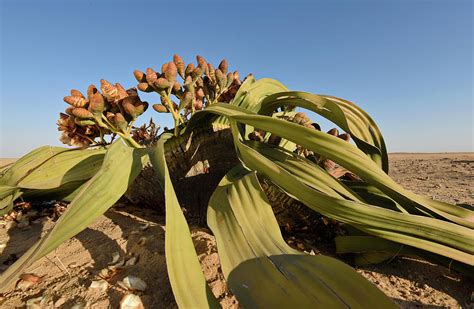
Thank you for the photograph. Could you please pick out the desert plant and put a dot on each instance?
(344, 181)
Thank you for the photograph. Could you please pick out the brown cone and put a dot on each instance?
(160, 108)
(179, 65)
(145, 87)
(96, 104)
(82, 113)
(345, 136)
(139, 76)
(120, 122)
(109, 90)
(171, 72)
(75, 101)
(189, 69)
(151, 76)
(224, 66)
(202, 64)
(76, 93)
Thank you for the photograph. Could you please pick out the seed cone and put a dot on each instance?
(237, 78)
(202, 64)
(120, 122)
(160, 108)
(82, 113)
(224, 66)
(109, 90)
(176, 86)
(139, 76)
(199, 94)
(179, 65)
(345, 136)
(69, 110)
(316, 126)
(187, 99)
(333, 132)
(171, 72)
(91, 90)
(210, 72)
(164, 66)
(221, 79)
(110, 116)
(145, 87)
(301, 118)
(189, 69)
(122, 93)
(141, 108)
(162, 83)
(132, 91)
(96, 104)
(151, 76)
(76, 93)
(230, 79)
(197, 72)
(128, 105)
(75, 101)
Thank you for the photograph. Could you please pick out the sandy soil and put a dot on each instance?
(138, 234)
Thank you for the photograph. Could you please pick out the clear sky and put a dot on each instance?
(407, 63)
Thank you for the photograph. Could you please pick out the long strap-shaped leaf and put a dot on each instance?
(187, 280)
(28, 162)
(262, 270)
(345, 114)
(251, 94)
(68, 166)
(347, 156)
(48, 168)
(309, 173)
(444, 238)
(120, 167)
(8, 195)
(372, 249)
(441, 237)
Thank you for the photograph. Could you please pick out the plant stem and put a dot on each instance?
(127, 138)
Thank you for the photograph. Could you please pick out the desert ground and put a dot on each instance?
(133, 238)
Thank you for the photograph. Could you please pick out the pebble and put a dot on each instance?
(61, 301)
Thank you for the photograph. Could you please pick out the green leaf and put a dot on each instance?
(306, 171)
(68, 166)
(65, 192)
(431, 234)
(347, 156)
(371, 250)
(262, 270)
(344, 114)
(120, 167)
(8, 195)
(28, 162)
(187, 280)
(251, 94)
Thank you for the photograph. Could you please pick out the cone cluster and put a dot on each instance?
(201, 84)
(101, 112)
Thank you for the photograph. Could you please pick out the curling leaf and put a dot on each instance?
(262, 270)
(120, 167)
(187, 280)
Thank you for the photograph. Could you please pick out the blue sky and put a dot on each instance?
(407, 63)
